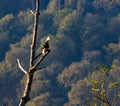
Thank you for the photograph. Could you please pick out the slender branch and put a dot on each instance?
(40, 68)
(105, 101)
(21, 67)
(38, 55)
(33, 45)
(31, 12)
(40, 59)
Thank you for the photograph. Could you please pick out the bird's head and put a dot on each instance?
(48, 38)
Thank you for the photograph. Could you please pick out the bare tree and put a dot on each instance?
(35, 60)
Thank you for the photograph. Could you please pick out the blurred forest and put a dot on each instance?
(84, 34)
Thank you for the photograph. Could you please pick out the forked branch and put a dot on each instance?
(39, 60)
(33, 65)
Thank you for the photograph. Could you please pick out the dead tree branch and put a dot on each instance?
(33, 45)
(22, 69)
(33, 64)
(39, 61)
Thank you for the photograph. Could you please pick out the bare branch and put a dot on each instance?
(38, 55)
(40, 68)
(31, 12)
(21, 66)
(33, 45)
(103, 100)
(40, 59)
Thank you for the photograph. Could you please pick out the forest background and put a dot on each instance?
(84, 34)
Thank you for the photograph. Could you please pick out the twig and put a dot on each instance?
(105, 101)
(38, 55)
(40, 68)
(22, 69)
(31, 12)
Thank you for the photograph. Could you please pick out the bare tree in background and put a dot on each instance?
(35, 60)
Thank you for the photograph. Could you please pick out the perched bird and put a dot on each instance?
(46, 46)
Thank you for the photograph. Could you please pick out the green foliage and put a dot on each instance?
(102, 88)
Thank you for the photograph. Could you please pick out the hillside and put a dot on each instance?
(84, 34)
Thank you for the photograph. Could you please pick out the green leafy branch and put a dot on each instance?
(100, 88)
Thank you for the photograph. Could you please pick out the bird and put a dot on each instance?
(45, 47)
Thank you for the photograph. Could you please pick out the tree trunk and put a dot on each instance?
(26, 94)
(34, 60)
(32, 67)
